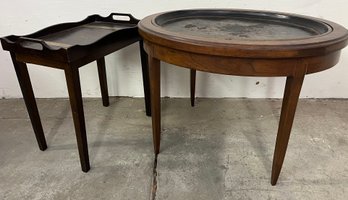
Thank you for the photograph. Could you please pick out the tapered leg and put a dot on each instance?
(29, 99)
(193, 86)
(146, 81)
(155, 79)
(74, 89)
(291, 96)
(103, 81)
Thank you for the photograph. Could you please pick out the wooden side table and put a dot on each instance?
(243, 43)
(69, 46)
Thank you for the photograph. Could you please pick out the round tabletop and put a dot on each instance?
(244, 33)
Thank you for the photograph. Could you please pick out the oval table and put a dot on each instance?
(243, 43)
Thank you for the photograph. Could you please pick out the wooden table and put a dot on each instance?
(243, 43)
(69, 46)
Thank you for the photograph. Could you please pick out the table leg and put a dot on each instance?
(291, 96)
(103, 81)
(75, 96)
(146, 81)
(29, 99)
(155, 81)
(193, 86)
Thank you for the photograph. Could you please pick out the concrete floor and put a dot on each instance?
(221, 149)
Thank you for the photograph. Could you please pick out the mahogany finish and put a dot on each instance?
(155, 80)
(29, 99)
(69, 46)
(193, 86)
(305, 45)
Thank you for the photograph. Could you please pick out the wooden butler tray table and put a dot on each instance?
(243, 43)
(69, 46)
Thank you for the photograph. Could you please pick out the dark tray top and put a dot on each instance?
(90, 31)
(229, 25)
(84, 34)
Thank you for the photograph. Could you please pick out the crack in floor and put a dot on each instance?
(154, 180)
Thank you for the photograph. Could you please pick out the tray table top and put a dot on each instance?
(84, 34)
(66, 35)
(76, 43)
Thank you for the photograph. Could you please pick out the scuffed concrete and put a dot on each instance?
(120, 147)
(223, 149)
(220, 149)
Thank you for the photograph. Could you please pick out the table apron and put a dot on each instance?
(41, 60)
(241, 66)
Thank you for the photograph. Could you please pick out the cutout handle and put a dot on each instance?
(33, 43)
(123, 17)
